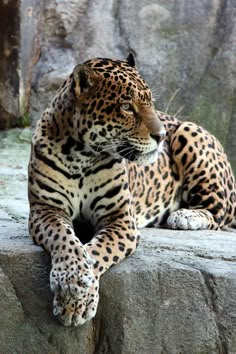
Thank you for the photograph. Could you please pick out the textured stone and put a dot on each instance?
(14, 157)
(176, 294)
(168, 297)
(28, 300)
(31, 22)
(186, 50)
(9, 62)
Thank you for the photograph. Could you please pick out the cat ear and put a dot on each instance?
(84, 78)
(131, 61)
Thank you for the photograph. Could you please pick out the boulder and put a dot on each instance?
(176, 294)
(9, 62)
(186, 51)
(26, 323)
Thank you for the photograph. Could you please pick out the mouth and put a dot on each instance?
(130, 153)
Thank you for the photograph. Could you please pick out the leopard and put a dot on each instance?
(104, 164)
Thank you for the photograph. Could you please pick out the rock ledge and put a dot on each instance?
(176, 294)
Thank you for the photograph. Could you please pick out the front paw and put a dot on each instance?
(75, 287)
(187, 219)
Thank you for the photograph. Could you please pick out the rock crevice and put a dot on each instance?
(211, 286)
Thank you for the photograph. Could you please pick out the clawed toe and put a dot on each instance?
(75, 311)
(76, 293)
(187, 219)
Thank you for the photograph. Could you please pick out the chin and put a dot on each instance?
(142, 158)
(145, 159)
(149, 157)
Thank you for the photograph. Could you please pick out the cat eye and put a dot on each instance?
(126, 107)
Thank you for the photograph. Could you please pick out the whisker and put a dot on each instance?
(171, 100)
(110, 147)
(157, 85)
(129, 151)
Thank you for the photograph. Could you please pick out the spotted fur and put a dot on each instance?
(103, 165)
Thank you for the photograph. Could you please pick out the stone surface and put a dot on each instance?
(9, 62)
(14, 158)
(171, 298)
(31, 21)
(186, 50)
(176, 294)
(27, 325)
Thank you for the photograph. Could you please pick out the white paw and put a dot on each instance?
(186, 219)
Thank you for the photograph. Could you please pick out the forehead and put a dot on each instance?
(119, 74)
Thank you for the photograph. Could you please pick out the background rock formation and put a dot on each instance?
(9, 62)
(186, 50)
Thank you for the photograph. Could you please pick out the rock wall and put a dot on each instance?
(9, 62)
(186, 50)
(176, 294)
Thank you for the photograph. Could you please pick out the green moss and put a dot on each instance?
(24, 120)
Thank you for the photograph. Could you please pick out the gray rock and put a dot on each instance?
(26, 323)
(9, 68)
(167, 298)
(186, 51)
(14, 158)
(31, 22)
(176, 294)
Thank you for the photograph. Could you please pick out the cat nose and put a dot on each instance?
(160, 136)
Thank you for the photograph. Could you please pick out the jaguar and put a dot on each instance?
(104, 164)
